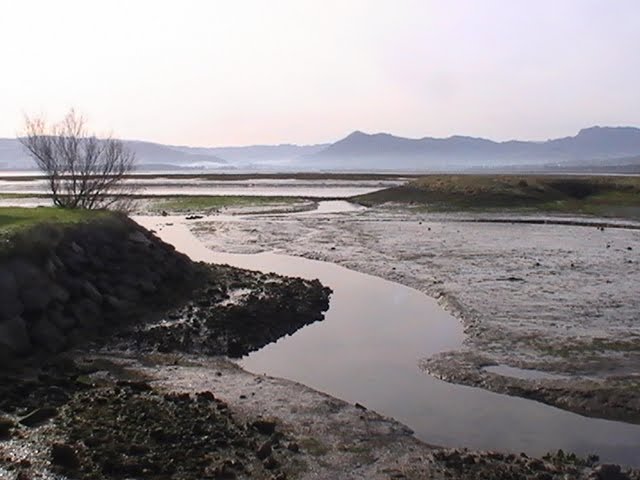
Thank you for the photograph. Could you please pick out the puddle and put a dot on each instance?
(328, 206)
(367, 351)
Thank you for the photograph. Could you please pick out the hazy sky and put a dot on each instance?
(218, 72)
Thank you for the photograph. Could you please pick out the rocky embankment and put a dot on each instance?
(61, 285)
(114, 287)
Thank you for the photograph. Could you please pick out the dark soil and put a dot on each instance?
(127, 429)
(232, 313)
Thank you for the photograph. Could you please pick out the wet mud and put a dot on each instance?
(555, 298)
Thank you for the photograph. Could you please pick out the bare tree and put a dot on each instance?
(82, 170)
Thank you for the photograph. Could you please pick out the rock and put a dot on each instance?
(139, 237)
(10, 305)
(23, 475)
(536, 465)
(6, 425)
(147, 286)
(91, 292)
(127, 293)
(36, 297)
(270, 463)
(115, 304)
(543, 476)
(47, 335)
(265, 426)
(608, 472)
(14, 336)
(59, 293)
(61, 320)
(25, 273)
(264, 450)
(38, 416)
(77, 249)
(86, 312)
(64, 456)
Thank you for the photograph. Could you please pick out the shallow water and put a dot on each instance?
(367, 351)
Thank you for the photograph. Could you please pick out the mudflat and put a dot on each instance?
(538, 296)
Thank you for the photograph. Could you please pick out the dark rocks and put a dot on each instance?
(91, 292)
(46, 335)
(36, 297)
(608, 472)
(10, 306)
(38, 416)
(271, 463)
(141, 433)
(6, 426)
(14, 338)
(61, 319)
(64, 456)
(265, 426)
(78, 281)
(213, 323)
(264, 450)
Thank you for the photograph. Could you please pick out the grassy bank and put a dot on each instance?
(205, 203)
(14, 219)
(591, 195)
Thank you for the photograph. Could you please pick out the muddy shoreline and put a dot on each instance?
(541, 297)
(110, 415)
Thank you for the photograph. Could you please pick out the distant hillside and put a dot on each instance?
(149, 155)
(589, 147)
(595, 149)
(284, 154)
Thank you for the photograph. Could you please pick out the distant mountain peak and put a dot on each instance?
(356, 134)
(598, 130)
(384, 150)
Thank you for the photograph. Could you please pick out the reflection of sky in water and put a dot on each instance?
(367, 351)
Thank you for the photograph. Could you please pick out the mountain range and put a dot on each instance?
(596, 148)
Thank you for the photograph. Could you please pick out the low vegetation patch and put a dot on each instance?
(206, 203)
(592, 195)
(14, 219)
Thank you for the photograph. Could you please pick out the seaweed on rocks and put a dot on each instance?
(127, 431)
(232, 313)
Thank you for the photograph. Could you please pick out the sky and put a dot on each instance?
(239, 72)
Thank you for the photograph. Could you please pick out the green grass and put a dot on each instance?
(13, 219)
(205, 203)
(590, 195)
